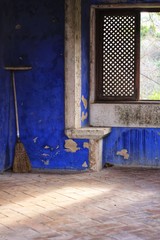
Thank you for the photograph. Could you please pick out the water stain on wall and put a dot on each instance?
(141, 115)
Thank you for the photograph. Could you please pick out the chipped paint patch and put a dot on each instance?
(86, 145)
(84, 116)
(46, 162)
(85, 164)
(123, 153)
(71, 146)
(35, 139)
(85, 103)
(18, 26)
(45, 154)
(46, 147)
(57, 153)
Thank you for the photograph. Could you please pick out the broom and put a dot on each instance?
(21, 163)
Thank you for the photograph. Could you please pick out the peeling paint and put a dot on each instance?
(71, 146)
(46, 162)
(123, 153)
(84, 116)
(18, 26)
(86, 145)
(46, 147)
(85, 103)
(57, 153)
(85, 164)
(45, 154)
(35, 139)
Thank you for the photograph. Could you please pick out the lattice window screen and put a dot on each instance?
(118, 70)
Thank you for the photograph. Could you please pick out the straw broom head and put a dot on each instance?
(21, 163)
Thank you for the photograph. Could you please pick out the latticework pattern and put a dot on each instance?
(118, 56)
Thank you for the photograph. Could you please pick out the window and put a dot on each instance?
(127, 54)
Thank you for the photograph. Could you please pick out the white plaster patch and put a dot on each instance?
(86, 145)
(71, 146)
(35, 139)
(85, 164)
(85, 103)
(84, 116)
(123, 153)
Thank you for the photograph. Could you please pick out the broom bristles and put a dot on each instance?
(21, 163)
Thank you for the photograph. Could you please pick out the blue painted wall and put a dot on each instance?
(142, 145)
(32, 33)
(85, 59)
(7, 123)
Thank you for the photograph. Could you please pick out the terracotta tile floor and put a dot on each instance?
(116, 203)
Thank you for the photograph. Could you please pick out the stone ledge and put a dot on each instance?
(88, 133)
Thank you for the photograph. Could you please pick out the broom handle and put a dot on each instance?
(15, 103)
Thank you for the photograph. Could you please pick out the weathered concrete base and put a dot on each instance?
(95, 136)
(95, 154)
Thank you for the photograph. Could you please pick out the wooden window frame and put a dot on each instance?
(99, 54)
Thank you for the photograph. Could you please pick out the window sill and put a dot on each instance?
(88, 133)
(129, 102)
